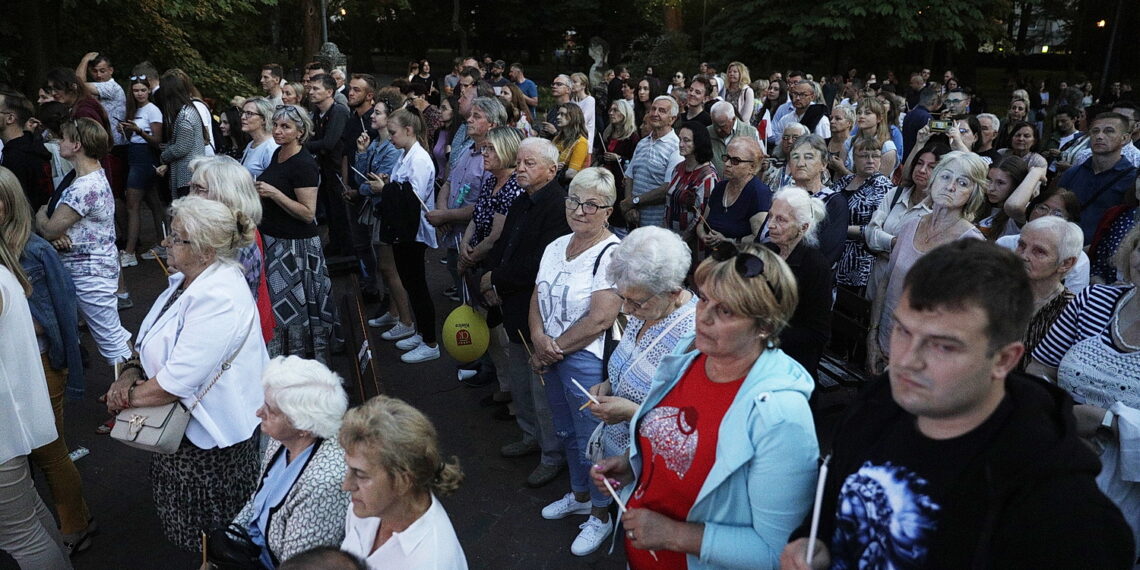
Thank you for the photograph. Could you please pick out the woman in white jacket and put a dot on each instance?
(203, 328)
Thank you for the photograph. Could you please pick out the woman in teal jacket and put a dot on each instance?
(724, 457)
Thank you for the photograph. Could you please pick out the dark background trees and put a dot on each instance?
(221, 43)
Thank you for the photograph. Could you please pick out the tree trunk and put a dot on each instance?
(459, 29)
(310, 28)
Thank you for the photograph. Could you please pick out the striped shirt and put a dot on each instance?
(652, 167)
(1086, 316)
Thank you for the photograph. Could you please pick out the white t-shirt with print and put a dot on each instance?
(564, 287)
(144, 116)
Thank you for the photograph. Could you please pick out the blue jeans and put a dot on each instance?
(571, 425)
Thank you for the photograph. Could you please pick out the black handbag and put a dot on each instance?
(399, 213)
(231, 548)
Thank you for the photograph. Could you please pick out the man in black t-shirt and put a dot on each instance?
(952, 461)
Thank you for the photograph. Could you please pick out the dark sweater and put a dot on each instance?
(1026, 499)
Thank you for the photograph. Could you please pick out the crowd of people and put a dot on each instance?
(657, 263)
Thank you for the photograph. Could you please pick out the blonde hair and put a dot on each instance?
(769, 298)
(597, 180)
(583, 79)
(745, 78)
(210, 224)
(228, 182)
(402, 441)
(883, 129)
(91, 135)
(621, 130)
(505, 141)
(975, 169)
(15, 226)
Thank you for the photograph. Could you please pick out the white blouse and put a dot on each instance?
(28, 421)
(184, 347)
(428, 544)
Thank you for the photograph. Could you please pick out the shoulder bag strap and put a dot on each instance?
(222, 370)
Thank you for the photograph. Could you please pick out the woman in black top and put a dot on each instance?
(792, 233)
(299, 286)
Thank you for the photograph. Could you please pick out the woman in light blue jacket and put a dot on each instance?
(723, 460)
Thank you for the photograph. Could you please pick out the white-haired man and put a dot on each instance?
(725, 127)
(651, 168)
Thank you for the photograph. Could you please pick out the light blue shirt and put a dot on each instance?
(278, 480)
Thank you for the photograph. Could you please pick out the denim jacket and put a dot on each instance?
(53, 306)
(380, 157)
(760, 485)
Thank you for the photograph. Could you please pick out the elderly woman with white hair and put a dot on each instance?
(779, 174)
(200, 345)
(793, 234)
(299, 503)
(648, 269)
(572, 306)
(257, 122)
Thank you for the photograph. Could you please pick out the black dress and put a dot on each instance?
(810, 327)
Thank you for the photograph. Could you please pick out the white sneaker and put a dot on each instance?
(127, 259)
(410, 343)
(399, 331)
(421, 353)
(565, 507)
(594, 533)
(382, 320)
(157, 250)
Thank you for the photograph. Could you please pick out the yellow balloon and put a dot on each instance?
(465, 334)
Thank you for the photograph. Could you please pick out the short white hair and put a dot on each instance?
(307, 392)
(651, 258)
(799, 127)
(597, 180)
(542, 148)
(673, 109)
(992, 118)
(228, 182)
(1067, 236)
(807, 210)
(723, 109)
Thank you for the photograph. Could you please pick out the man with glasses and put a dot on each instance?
(724, 128)
(533, 221)
(651, 168)
(560, 90)
(807, 112)
(957, 102)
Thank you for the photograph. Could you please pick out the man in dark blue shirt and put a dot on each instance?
(1102, 181)
(917, 118)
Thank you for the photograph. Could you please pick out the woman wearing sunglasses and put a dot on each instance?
(737, 206)
(723, 461)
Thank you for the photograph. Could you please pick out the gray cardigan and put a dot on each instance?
(313, 511)
(187, 142)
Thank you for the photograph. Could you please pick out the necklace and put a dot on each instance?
(570, 246)
(931, 234)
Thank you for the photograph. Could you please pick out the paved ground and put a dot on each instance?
(495, 515)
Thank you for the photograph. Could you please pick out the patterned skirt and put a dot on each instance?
(199, 490)
(300, 292)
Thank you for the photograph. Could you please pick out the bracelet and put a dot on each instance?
(130, 393)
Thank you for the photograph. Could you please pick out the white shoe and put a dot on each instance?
(421, 353)
(565, 507)
(410, 343)
(383, 320)
(594, 533)
(127, 259)
(157, 250)
(399, 331)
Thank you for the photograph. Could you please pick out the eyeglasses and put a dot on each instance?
(1044, 210)
(954, 101)
(796, 95)
(678, 76)
(174, 238)
(866, 155)
(486, 150)
(637, 305)
(747, 265)
(729, 159)
(248, 114)
(588, 208)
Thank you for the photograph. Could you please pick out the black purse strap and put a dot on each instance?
(608, 345)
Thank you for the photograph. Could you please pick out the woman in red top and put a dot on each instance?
(65, 87)
(723, 462)
(692, 183)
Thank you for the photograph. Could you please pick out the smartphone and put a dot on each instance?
(939, 126)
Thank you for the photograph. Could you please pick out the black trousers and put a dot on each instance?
(409, 258)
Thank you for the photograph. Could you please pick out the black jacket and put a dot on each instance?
(28, 158)
(809, 329)
(532, 223)
(1029, 500)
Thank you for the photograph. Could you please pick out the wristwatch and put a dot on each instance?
(636, 200)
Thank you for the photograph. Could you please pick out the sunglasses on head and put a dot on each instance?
(138, 78)
(747, 265)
